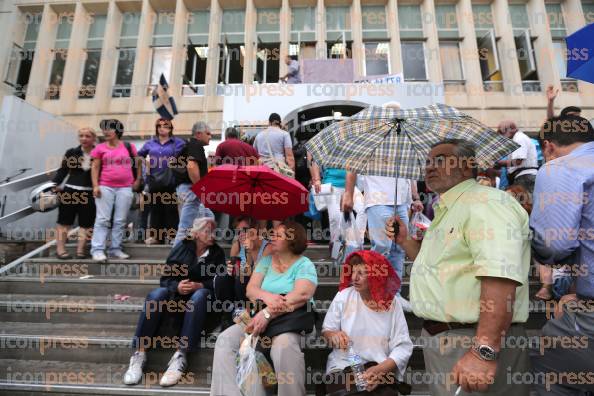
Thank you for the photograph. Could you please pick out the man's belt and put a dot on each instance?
(433, 327)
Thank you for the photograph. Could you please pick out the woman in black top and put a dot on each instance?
(194, 275)
(76, 196)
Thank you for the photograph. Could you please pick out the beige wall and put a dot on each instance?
(528, 109)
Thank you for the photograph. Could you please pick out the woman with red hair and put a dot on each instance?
(366, 315)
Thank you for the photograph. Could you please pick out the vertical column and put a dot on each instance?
(214, 55)
(321, 51)
(142, 63)
(508, 58)
(178, 47)
(469, 49)
(432, 45)
(109, 58)
(42, 61)
(357, 32)
(543, 45)
(285, 35)
(250, 42)
(394, 32)
(575, 20)
(75, 61)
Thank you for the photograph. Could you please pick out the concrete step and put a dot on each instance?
(142, 251)
(104, 309)
(132, 268)
(52, 378)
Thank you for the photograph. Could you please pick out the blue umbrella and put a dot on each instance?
(580, 54)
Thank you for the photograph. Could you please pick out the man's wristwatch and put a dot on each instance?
(266, 314)
(485, 352)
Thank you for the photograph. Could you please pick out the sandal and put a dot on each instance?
(63, 256)
(545, 293)
(81, 256)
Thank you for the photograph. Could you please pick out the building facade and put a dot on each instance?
(87, 60)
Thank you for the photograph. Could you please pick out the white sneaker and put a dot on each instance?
(176, 369)
(134, 373)
(99, 257)
(404, 303)
(119, 255)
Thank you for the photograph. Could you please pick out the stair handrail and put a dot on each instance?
(21, 184)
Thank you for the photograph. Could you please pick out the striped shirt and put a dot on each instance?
(562, 218)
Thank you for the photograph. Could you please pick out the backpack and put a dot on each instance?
(301, 168)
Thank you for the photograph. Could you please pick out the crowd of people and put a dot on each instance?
(469, 281)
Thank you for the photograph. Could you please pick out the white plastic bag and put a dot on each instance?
(321, 199)
(417, 225)
(247, 377)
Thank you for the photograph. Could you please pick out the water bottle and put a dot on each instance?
(358, 368)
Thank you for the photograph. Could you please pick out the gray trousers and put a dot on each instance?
(442, 351)
(566, 368)
(288, 360)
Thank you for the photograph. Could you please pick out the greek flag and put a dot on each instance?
(164, 104)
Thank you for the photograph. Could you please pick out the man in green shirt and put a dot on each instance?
(469, 280)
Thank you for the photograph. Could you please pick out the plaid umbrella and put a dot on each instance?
(383, 141)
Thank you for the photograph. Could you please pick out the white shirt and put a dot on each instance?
(379, 190)
(376, 336)
(526, 152)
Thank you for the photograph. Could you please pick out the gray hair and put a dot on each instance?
(463, 149)
(202, 222)
(200, 126)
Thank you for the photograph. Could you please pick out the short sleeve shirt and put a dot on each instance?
(192, 151)
(116, 165)
(274, 139)
(477, 231)
(283, 283)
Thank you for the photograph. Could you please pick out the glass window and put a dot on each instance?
(56, 74)
(527, 61)
(126, 55)
(338, 18)
(374, 22)
(197, 52)
(268, 45)
(413, 59)
(447, 22)
(588, 9)
(519, 16)
(33, 21)
(377, 58)
(489, 62)
(232, 49)
(162, 57)
(410, 22)
(163, 29)
(556, 21)
(482, 16)
(21, 57)
(451, 63)
(91, 68)
(303, 25)
(560, 53)
(59, 55)
(124, 73)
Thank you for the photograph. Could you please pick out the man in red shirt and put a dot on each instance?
(234, 151)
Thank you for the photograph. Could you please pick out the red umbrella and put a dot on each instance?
(255, 191)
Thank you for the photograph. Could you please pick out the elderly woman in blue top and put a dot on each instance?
(284, 281)
(163, 205)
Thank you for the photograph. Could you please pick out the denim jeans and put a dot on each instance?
(191, 209)
(116, 200)
(156, 305)
(376, 217)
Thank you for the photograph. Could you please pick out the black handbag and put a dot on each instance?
(301, 320)
(161, 181)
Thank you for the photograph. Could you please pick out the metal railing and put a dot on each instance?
(19, 185)
(16, 186)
